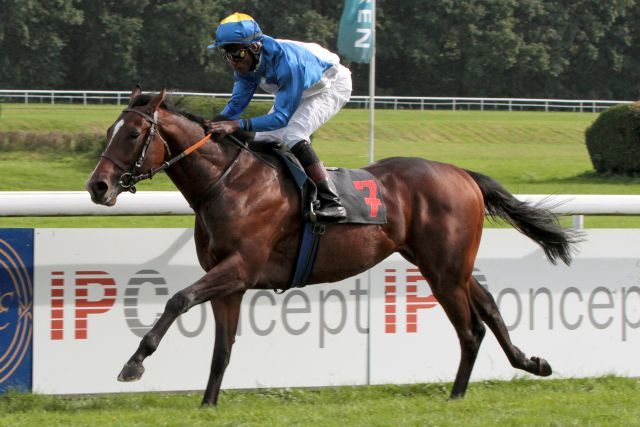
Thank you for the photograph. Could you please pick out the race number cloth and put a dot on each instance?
(360, 194)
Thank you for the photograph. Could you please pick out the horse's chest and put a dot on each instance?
(213, 243)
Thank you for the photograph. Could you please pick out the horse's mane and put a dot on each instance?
(144, 98)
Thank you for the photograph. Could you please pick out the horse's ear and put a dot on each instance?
(134, 93)
(157, 100)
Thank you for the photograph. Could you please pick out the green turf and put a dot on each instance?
(59, 117)
(529, 152)
(606, 401)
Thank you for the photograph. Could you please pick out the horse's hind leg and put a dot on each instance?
(457, 305)
(448, 278)
(226, 312)
(488, 311)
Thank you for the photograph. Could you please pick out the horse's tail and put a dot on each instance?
(537, 223)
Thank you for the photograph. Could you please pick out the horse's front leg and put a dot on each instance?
(226, 278)
(226, 311)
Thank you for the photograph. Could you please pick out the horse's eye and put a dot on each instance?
(134, 134)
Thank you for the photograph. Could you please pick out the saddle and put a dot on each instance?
(358, 189)
(359, 192)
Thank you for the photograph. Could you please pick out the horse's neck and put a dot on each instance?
(198, 171)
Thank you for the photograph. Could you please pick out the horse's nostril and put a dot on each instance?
(98, 189)
(101, 186)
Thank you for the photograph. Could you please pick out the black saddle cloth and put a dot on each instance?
(360, 194)
(358, 189)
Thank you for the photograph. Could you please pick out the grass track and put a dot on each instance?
(606, 401)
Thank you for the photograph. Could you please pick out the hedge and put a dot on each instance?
(613, 141)
(82, 142)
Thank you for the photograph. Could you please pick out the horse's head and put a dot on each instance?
(135, 147)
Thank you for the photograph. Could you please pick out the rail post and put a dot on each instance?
(578, 221)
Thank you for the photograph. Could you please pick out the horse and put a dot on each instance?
(248, 224)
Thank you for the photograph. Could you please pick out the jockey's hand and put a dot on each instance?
(221, 129)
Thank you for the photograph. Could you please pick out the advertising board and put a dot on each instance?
(583, 319)
(98, 291)
(16, 308)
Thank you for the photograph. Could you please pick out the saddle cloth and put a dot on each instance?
(358, 189)
(360, 194)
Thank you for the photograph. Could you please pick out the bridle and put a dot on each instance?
(128, 180)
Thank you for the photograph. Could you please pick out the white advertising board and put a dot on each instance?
(583, 319)
(97, 291)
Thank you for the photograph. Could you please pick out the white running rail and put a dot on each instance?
(78, 203)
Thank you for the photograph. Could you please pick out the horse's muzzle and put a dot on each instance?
(100, 192)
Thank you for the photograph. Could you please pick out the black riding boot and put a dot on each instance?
(331, 209)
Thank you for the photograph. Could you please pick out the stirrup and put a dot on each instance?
(339, 216)
(311, 215)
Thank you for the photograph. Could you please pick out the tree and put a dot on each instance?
(103, 51)
(173, 51)
(595, 36)
(304, 20)
(33, 34)
(451, 47)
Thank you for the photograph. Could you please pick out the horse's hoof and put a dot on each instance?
(131, 372)
(544, 369)
(208, 405)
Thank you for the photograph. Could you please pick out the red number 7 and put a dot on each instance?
(371, 200)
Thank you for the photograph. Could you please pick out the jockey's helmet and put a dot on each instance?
(238, 28)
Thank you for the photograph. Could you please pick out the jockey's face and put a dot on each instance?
(239, 57)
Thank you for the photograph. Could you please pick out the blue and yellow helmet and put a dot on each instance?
(238, 28)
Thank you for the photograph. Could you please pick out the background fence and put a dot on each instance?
(78, 203)
(356, 101)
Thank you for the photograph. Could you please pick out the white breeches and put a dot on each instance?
(313, 111)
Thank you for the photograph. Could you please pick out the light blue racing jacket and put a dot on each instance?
(291, 70)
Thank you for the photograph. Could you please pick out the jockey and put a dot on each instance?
(310, 87)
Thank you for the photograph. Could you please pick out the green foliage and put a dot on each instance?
(507, 48)
(613, 141)
(585, 49)
(101, 53)
(172, 47)
(33, 34)
(80, 143)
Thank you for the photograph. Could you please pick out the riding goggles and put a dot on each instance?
(234, 56)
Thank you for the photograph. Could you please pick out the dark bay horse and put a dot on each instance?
(247, 226)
